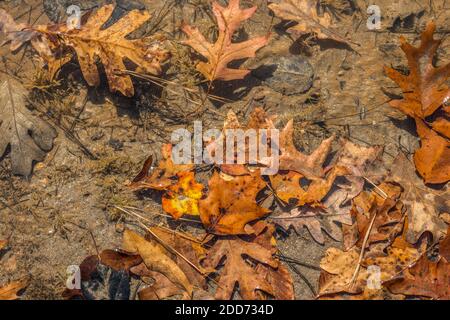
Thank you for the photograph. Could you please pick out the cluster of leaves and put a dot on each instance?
(91, 43)
(398, 213)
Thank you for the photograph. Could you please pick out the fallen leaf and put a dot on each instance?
(310, 166)
(444, 246)
(119, 260)
(238, 270)
(423, 204)
(424, 87)
(161, 287)
(110, 45)
(279, 278)
(11, 290)
(425, 279)
(338, 268)
(224, 51)
(259, 120)
(192, 251)
(15, 33)
(231, 204)
(182, 198)
(29, 137)
(361, 162)
(424, 92)
(155, 258)
(309, 21)
(432, 160)
(386, 225)
(315, 220)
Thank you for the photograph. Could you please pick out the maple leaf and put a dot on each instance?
(424, 88)
(162, 177)
(305, 13)
(182, 198)
(11, 290)
(423, 204)
(231, 203)
(425, 279)
(224, 51)
(237, 269)
(310, 166)
(156, 258)
(29, 137)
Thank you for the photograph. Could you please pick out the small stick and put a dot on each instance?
(361, 255)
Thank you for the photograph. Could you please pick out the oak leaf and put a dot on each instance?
(224, 51)
(425, 91)
(238, 270)
(110, 45)
(423, 204)
(309, 21)
(315, 220)
(424, 87)
(310, 166)
(362, 163)
(29, 137)
(156, 258)
(231, 203)
(425, 279)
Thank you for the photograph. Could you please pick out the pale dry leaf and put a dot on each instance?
(423, 203)
(156, 258)
(309, 21)
(29, 137)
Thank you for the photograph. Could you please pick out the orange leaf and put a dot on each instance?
(424, 88)
(231, 203)
(433, 158)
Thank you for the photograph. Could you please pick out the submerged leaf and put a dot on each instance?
(224, 51)
(29, 137)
